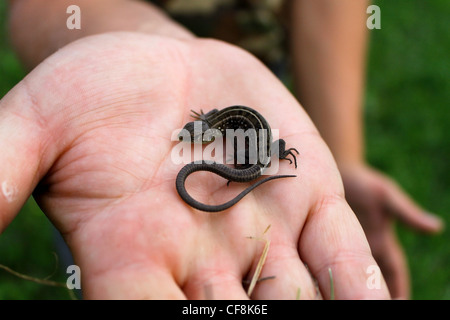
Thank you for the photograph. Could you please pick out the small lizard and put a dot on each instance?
(234, 117)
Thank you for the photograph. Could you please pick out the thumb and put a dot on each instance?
(24, 140)
(402, 207)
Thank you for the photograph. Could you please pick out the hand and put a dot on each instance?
(378, 201)
(90, 131)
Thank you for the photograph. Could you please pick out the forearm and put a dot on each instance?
(329, 47)
(38, 27)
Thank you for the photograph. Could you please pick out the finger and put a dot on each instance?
(402, 207)
(149, 283)
(215, 283)
(332, 240)
(287, 276)
(24, 140)
(391, 259)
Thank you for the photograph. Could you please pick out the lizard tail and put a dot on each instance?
(180, 184)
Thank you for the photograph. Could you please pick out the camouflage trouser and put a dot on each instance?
(255, 25)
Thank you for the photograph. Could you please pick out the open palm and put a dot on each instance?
(89, 130)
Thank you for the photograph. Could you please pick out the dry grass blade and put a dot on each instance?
(29, 278)
(261, 262)
(297, 296)
(45, 281)
(331, 284)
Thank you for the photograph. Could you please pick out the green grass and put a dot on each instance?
(407, 118)
(27, 244)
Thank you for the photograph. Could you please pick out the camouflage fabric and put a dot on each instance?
(255, 25)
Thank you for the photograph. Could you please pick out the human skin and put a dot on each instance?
(89, 132)
(329, 43)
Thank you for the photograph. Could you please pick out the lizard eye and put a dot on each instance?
(209, 139)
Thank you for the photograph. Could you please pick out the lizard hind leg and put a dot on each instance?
(279, 147)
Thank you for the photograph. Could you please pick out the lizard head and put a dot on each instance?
(196, 132)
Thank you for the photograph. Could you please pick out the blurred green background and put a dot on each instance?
(408, 137)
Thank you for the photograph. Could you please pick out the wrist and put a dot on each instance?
(34, 40)
(350, 163)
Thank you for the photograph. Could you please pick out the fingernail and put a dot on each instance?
(434, 221)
